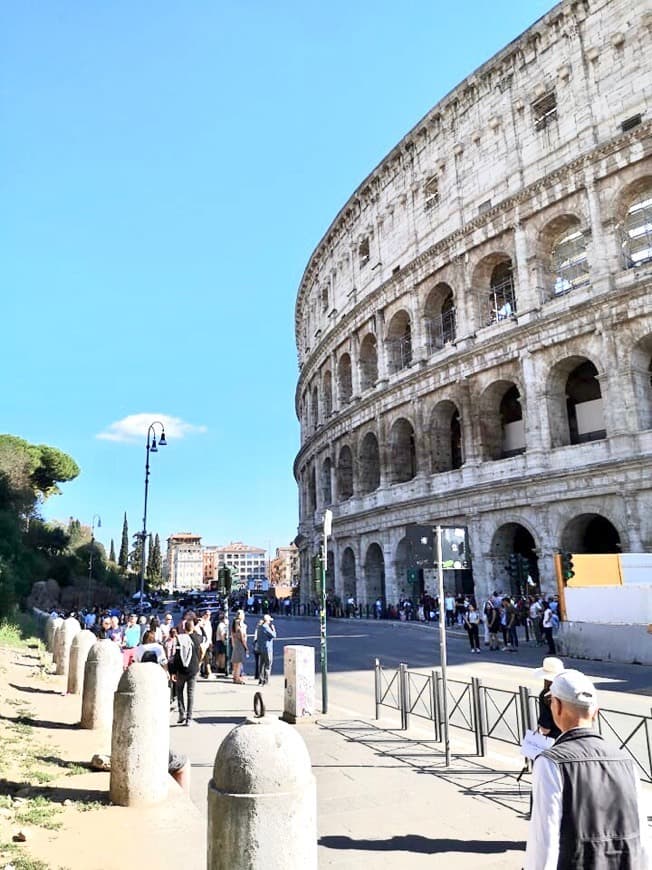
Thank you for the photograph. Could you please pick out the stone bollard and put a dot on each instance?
(140, 741)
(57, 645)
(53, 622)
(262, 800)
(71, 628)
(101, 677)
(82, 644)
(299, 673)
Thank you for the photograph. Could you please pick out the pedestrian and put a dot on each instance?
(239, 648)
(510, 624)
(547, 626)
(549, 669)
(587, 810)
(186, 668)
(257, 651)
(492, 615)
(449, 605)
(534, 613)
(205, 630)
(150, 650)
(265, 636)
(219, 643)
(472, 625)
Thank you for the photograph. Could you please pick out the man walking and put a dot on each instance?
(587, 809)
(265, 636)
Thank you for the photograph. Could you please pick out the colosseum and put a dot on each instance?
(474, 330)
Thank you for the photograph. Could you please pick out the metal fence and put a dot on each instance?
(499, 714)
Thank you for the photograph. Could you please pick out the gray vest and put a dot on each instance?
(600, 822)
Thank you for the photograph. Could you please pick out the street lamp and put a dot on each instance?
(90, 555)
(151, 447)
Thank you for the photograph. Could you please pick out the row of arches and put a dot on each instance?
(564, 248)
(494, 429)
(365, 576)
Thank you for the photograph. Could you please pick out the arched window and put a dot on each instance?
(327, 389)
(315, 408)
(502, 298)
(369, 463)
(445, 438)
(326, 486)
(439, 318)
(344, 378)
(399, 342)
(511, 421)
(312, 491)
(431, 193)
(501, 420)
(584, 404)
(368, 362)
(636, 229)
(569, 261)
(345, 474)
(403, 452)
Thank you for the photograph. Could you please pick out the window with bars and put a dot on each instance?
(544, 110)
(636, 232)
(502, 298)
(440, 329)
(431, 194)
(400, 351)
(570, 262)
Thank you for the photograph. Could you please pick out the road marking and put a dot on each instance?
(317, 637)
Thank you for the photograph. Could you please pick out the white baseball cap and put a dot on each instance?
(549, 669)
(574, 687)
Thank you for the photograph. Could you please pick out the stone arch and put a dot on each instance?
(312, 490)
(347, 570)
(344, 378)
(515, 539)
(642, 380)
(564, 252)
(368, 362)
(327, 392)
(374, 573)
(399, 342)
(590, 533)
(493, 282)
(314, 407)
(445, 437)
(575, 407)
(634, 220)
(439, 317)
(326, 481)
(369, 477)
(501, 416)
(345, 473)
(402, 451)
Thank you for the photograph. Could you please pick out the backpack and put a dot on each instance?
(149, 656)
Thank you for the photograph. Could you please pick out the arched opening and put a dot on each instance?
(327, 390)
(590, 533)
(570, 263)
(368, 362)
(502, 423)
(399, 342)
(345, 474)
(516, 564)
(312, 490)
(326, 481)
(636, 224)
(402, 451)
(642, 380)
(502, 296)
(374, 574)
(584, 404)
(445, 438)
(439, 318)
(369, 463)
(344, 378)
(315, 408)
(348, 574)
(330, 571)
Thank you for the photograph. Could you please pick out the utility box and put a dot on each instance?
(299, 674)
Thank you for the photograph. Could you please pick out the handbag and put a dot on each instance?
(534, 744)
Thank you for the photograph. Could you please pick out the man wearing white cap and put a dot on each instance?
(587, 811)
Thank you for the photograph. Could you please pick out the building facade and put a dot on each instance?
(285, 566)
(250, 563)
(474, 331)
(185, 564)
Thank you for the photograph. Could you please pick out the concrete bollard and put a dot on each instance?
(299, 673)
(57, 646)
(70, 629)
(81, 646)
(101, 677)
(262, 790)
(140, 741)
(50, 627)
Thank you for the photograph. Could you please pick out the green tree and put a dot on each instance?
(112, 553)
(135, 556)
(154, 563)
(123, 558)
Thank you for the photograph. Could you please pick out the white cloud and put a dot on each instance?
(133, 429)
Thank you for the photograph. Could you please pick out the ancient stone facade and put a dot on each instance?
(474, 331)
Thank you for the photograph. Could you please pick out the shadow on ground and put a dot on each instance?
(423, 845)
(58, 794)
(33, 689)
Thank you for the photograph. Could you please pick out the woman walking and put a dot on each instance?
(472, 625)
(239, 647)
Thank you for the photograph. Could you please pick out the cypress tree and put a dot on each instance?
(123, 558)
(157, 561)
(112, 552)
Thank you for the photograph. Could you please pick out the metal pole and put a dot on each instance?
(442, 651)
(323, 638)
(143, 534)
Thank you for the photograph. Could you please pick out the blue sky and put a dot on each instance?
(166, 171)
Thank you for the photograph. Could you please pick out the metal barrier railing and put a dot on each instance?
(499, 714)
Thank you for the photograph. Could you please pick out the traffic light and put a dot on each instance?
(412, 576)
(567, 568)
(225, 578)
(514, 568)
(525, 567)
(317, 571)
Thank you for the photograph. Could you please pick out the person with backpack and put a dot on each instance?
(185, 670)
(148, 650)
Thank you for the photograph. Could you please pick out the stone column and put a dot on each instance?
(598, 261)
(526, 298)
(69, 630)
(101, 676)
(51, 627)
(140, 739)
(262, 800)
(82, 644)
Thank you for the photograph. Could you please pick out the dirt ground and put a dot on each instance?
(48, 792)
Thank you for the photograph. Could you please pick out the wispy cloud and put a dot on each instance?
(133, 429)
